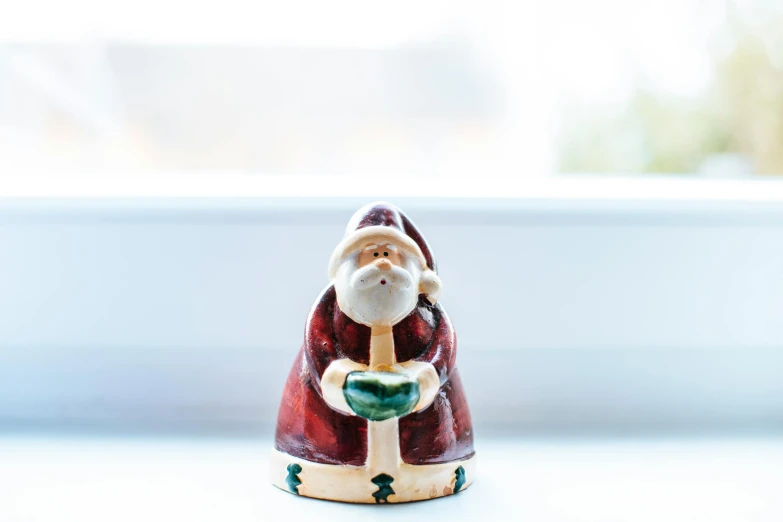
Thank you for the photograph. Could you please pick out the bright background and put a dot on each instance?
(510, 91)
(599, 181)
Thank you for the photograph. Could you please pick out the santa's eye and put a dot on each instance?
(386, 254)
(376, 254)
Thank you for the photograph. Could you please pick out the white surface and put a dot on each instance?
(147, 480)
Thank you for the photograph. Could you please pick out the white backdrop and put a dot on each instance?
(160, 314)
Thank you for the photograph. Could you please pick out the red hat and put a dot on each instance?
(384, 221)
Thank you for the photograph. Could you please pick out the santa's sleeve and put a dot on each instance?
(432, 368)
(327, 367)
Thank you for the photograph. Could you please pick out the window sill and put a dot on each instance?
(94, 480)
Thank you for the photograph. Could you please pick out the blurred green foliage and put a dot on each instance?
(740, 114)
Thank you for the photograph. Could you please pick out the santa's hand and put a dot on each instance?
(333, 381)
(425, 374)
(378, 396)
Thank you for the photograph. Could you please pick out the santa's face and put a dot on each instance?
(378, 285)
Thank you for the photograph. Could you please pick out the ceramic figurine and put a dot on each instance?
(373, 410)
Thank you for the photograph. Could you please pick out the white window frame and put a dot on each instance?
(652, 305)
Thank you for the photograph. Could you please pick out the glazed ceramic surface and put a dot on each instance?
(373, 409)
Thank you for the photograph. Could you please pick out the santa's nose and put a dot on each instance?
(383, 264)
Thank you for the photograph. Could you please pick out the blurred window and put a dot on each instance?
(503, 91)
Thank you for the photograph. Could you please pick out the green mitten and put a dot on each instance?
(380, 395)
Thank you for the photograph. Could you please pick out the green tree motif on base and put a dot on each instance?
(383, 481)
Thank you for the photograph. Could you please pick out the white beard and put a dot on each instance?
(364, 299)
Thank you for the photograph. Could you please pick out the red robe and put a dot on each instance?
(310, 429)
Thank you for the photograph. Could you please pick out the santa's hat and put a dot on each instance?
(384, 222)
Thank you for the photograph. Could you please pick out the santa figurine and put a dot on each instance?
(373, 410)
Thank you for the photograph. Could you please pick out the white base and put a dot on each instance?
(354, 483)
